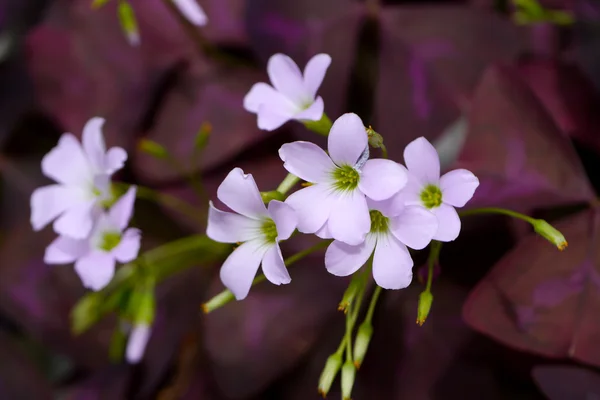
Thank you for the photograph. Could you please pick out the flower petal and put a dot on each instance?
(114, 160)
(458, 187)
(192, 11)
(271, 117)
(95, 269)
(77, 221)
(93, 143)
(314, 72)
(288, 80)
(239, 192)
(307, 161)
(136, 345)
(274, 268)
(342, 259)
(241, 266)
(65, 250)
(120, 213)
(313, 113)
(262, 93)
(414, 226)
(448, 223)
(423, 161)
(48, 202)
(324, 232)
(392, 264)
(347, 139)
(285, 219)
(312, 205)
(349, 220)
(381, 179)
(226, 227)
(129, 246)
(67, 162)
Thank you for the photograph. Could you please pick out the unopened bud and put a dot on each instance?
(361, 344)
(218, 301)
(375, 139)
(86, 312)
(332, 367)
(348, 377)
(425, 300)
(202, 136)
(152, 148)
(550, 233)
(351, 292)
(128, 22)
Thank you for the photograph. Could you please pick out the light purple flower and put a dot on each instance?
(83, 176)
(95, 257)
(392, 229)
(257, 229)
(292, 96)
(192, 11)
(439, 195)
(136, 345)
(336, 201)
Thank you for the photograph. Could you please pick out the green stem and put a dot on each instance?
(354, 315)
(289, 181)
(322, 127)
(372, 304)
(496, 210)
(384, 152)
(434, 254)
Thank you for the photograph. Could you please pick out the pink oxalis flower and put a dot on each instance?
(425, 188)
(393, 227)
(258, 229)
(192, 11)
(95, 257)
(82, 172)
(292, 96)
(136, 345)
(335, 204)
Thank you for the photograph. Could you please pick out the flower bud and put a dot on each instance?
(332, 367)
(202, 136)
(375, 139)
(86, 312)
(128, 22)
(361, 344)
(152, 148)
(357, 282)
(425, 300)
(550, 233)
(218, 301)
(348, 376)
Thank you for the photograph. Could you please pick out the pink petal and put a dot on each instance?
(271, 117)
(307, 161)
(381, 179)
(324, 232)
(64, 250)
(312, 205)
(347, 139)
(458, 187)
(423, 161)
(392, 264)
(414, 226)
(95, 269)
(239, 270)
(192, 11)
(274, 268)
(390, 207)
(448, 223)
(226, 227)
(136, 345)
(239, 192)
(48, 202)
(314, 72)
(77, 221)
(129, 247)
(120, 213)
(341, 259)
(313, 113)
(93, 143)
(67, 163)
(349, 220)
(114, 160)
(285, 219)
(287, 79)
(262, 93)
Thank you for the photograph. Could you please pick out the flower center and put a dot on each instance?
(431, 196)
(269, 231)
(345, 178)
(110, 240)
(379, 222)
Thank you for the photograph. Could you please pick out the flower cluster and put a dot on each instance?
(369, 207)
